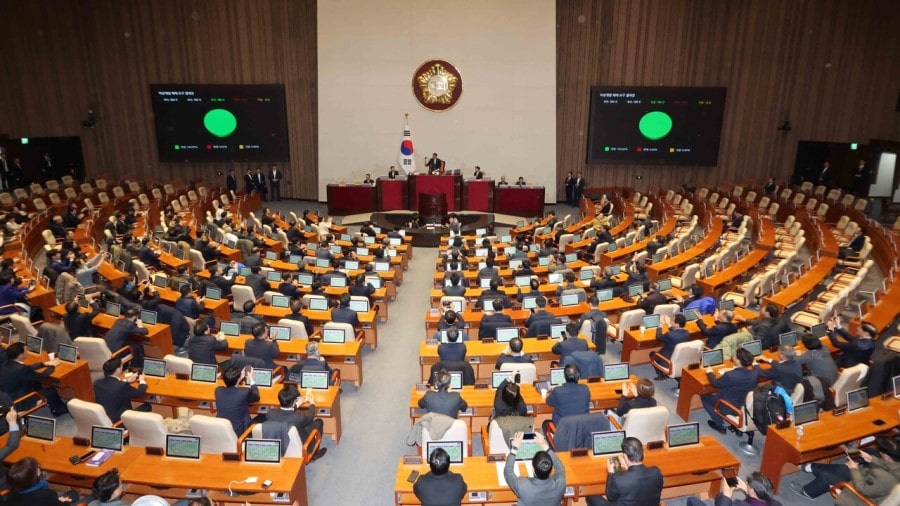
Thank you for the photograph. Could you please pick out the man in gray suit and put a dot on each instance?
(441, 401)
(543, 489)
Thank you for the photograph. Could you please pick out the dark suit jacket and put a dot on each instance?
(568, 346)
(231, 182)
(671, 339)
(495, 295)
(569, 399)
(787, 374)
(542, 314)
(300, 317)
(490, 323)
(454, 291)
(651, 301)
(452, 351)
(345, 315)
(232, 403)
(267, 351)
(19, 379)
(445, 403)
(448, 489)
(300, 419)
(248, 182)
(638, 486)
(734, 384)
(512, 359)
(80, 324)
(12, 443)
(115, 396)
(257, 283)
(716, 333)
(202, 349)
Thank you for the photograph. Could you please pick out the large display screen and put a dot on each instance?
(650, 125)
(220, 122)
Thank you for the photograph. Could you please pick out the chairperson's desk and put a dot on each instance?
(158, 339)
(173, 392)
(691, 470)
(822, 439)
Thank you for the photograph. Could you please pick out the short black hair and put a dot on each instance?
(452, 334)
(571, 373)
(105, 485)
(111, 366)
(249, 305)
(680, 320)
(542, 464)
(761, 485)
(439, 461)
(287, 395)
(345, 299)
(744, 357)
(515, 345)
(633, 449)
(185, 290)
(259, 330)
(200, 328)
(231, 375)
(15, 350)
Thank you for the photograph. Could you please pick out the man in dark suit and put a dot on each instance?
(305, 420)
(478, 173)
(149, 257)
(261, 346)
(770, 186)
(440, 400)
(856, 244)
(515, 355)
(275, 176)
(257, 282)
(231, 181)
(393, 172)
(232, 402)
(452, 349)
(455, 289)
(80, 324)
(312, 362)
(259, 182)
(434, 164)
(115, 394)
(12, 443)
(126, 326)
(854, 350)
(202, 346)
(824, 176)
(570, 189)
(361, 288)
(768, 327)
(717, 332)
(786, 372)
(634, 484)
(670, 339)
(598, 324)
(733, 387)
(570, 398)
(18, 379)
(491, 321)
(187, 304)
(569, 343)
(579, 188)
(343, 313)
(653, 299)
(493, 293)
(441, 486)
(249, 184)
(296, 315)
(861, 179)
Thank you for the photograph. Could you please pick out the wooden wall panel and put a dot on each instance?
(62, 55)
(770, 54)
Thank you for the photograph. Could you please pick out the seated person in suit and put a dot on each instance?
(874, 477)
(313, 361)
(569, 342)
(769, 326)
(246, 318)
(534, 290)
(855, 246)
(115, 393)
(633, 483)
(298, 316)
(568, 283)
(503, 181)
(454, 349)
(525, 269)
(493, 293)
(570, 398)
(508, 400)
(513, 354)
(758, 491)
(521, 181)
(786, 372)
(491, 321)
(489, 271)
(289, 286)
(733, 387)
(817, 359)
(854, 350)
(456, 289)
(305, 421)
(704, 304)
(635, 395)
(605, 281)
(368, 179)
(27, 486)
(233, 402)
(80, 324)
(543, 488)
(541, 313)
(451, 319)
(202, 346)
(343, 313)
(121, 333)
(440, 486)
(261, 346)
(360, 288)
(675, 335)
(653, 299)
(442, 401)
(722, 328)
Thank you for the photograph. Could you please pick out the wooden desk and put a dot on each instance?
(802, 286)
(157, 343)
(368, 321)
(75, 378)
(710, 239)
(822, 439)
(473, 318)
(219, 308)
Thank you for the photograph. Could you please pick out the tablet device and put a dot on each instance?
(318, 304)
(788, 339)
(726, 305)
(333, 336)
(204, 372)
(557, 376)
(665, 284)
(607, 442)
(712, 358)
(818, 330)
(67, 353)
(230, 329)
(262, 377)
(615, 270)
(359, 305)
(323, 263)
(382, 266)
(183, 447)
(683, 434)
(160, 281)
(497, 377)
(554, 278)
(337, 281)
(635, 290)
(34, 344)
(180, 254)
(515, 263)
(107, 438)
(265, 451)
(279, 333)
(616, 372)
(857, 399)
(453, 448)
(754, 347)
(362, 251)
(273, 276)
(39, 427)
(148, 317)
(506, 334)
(281, 301)
(245, 271)
(456, 380)
(484, 283)
(529, 302)
(317, 380)
(113, 309)
(295, 259)
(651, 321)
(557, 330)
(571, 257)
(523, 280)
(604, 295)
(691, 314)
(543, 261)
(528, 448)
(271, 255)
(806, 412)
(154, 368)
(569, 299)
(213, 293)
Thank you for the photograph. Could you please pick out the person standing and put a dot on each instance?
(861, 179)
(393, 172)
(434, 164)
(248, 182)
(5, 175)
(275, 179)
(570, 189)
(478, 173)
(824, 176)
(231, 181)
(579, 189)
(259, 182)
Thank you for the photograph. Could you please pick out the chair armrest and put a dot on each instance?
(551, 434)
(279, 371)
(13, 306)
(484, 440)
(335, 377)
(244, 436)
(614, 422)
(42, 401)
(314, 437)
(668, 370)
(361, 335)
(847, 488)
(124, 353)
(739, 411)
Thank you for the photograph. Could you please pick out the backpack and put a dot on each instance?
(768, 407)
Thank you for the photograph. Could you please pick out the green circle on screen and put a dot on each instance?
(655, 125)
(220, 122)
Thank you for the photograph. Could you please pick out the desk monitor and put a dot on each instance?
(576, 238)
(497, 377)
(806, 412)
(273, 276)
(148, 317)
(34, 344)
(362, 252)
(120, 266)
(534, 248)
(335, 249)
(571, 257)
(896, 382)
(323, 263)
(444, 339)
(788, 339)
(481, 252)
(351, 265)
(391, 253)
(554, 277)
(484, 283)
(692, 314)
(616, 372)
(107, 438)
(245, 271)
(665, 284)
(281, 301)
(754, 347)
(375, 281)
(818, 330)
(520, 223)
(154, 367)
(67, 353)
(515, 263)
(510, 251)
(183, 447)
(266, 451)
(726, 304)
(279, 333)
(6, 332)
(262, 377)
(505, 238)
(337, 281)
(453, 448)
(113, 309)
(529, 303)
(712, 358)
(213, 293)
(628, 241)
(231, 243)
(317, 380)
(710, 270)
(543, 261)
(683, 434)
(651, 321)
(635, 290)
(271, 255)
(180, 254)
(456, 380)
(557, 376)
(506, 334)
(607, 442)
(295, 259)
(528, 447)
(230, 329)
(382, 266)
(359, 305)
(318, 304)
(492, 305)
(395, 241)
(204, 372)
(305, 279)
(480, 231)
(523, 280)
(569, 299)
(38, 427)
(612, 247)
(604, 295)
(557, 330)
(857, 399)
(657, 258)
(333, 336)
(456, 305)
(160, 281)
(615, 270)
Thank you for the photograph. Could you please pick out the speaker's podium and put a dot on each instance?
(393, 194)
(426, 189)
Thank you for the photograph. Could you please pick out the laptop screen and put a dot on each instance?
(183, 447)
(278, 333)
(245, 271)
(113, 309)
(557, 330)
(362, 251)
(351, 265)
(305, 279)
(788, 339)
(505, 334)
(857, 399)
(38, 427)
(271, 255)
(359, 305)
(484, 283)
(515, 263)
(585, 274)
(571, 257)
(204, 372)
(295, 259)
(818, 330)
(569, 299)
(554, 277)
(509, 251)
(651, 321)
(34, 344)
(712, 358)
(267, 451)
(604, 295)
(456, 305)
(453, 448)
(318, 304)
(368, 239)
(213, 293)
(480, 231)
(148, 317)
(160, 281)
(67, 353)
(634, 290)
(806, 412)
(382, 266)
(615, 270)
(323, 263)
(616, 372)
(505, 238)
(497, 377)
(231, 329)
(107, 438)
(607, 442)
(317, 380)
(281, 301)
(683, 434)
(754, 347)
(557, 376)
(665, 284)
(375, 281)
(543, 261)
(333, 336)
(529, 302)
(154, 367)
(262, 377)
(481, 252)
(273, 276)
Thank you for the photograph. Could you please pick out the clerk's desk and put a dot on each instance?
(690, 470)
(368, 321)
(346, 356)
(821, 440)
(604, 395)
(158, 339)
(173, 392)
(483, 356)
(166, 477)
(637, 345)
(71, 378)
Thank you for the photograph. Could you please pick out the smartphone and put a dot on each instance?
(732, 481)
(617, 464)
(413, 476)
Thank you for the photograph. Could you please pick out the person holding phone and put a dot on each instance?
(233, 402)
(630, 483)
(543, 488)
(757, 490)
(872, 474)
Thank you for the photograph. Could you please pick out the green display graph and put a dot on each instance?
(220, 122)
(655, 125)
